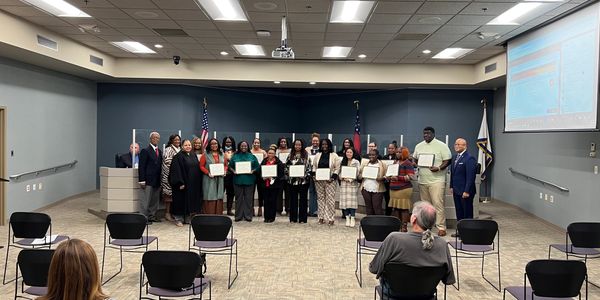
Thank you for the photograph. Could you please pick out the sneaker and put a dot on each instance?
(352, 221)
(179, 224)
(347, 221)
(442, 232)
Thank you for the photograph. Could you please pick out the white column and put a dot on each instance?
(257, 135)
(293, 136)
(133, 142)
(446, 139)
(330, 136)
(368, 139)
(401, 140)
(215, 134)
(179, 132)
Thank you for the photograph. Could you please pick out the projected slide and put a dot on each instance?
(552, 76)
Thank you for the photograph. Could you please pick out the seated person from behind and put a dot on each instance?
(418, 248)
(124, 160)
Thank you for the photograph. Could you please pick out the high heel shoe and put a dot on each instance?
(321, 221)
(259, 212)
(331, 223)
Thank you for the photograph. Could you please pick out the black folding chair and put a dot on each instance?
(32, 230)
(211, 237)
(585, 241)
(34, 265)
(172, 274)
(126, 233)
(477, 241)
(412, 282)
(375, 229)
(551, 279)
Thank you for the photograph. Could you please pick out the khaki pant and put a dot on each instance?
(434, 194)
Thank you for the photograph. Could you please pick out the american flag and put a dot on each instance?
(356, 137)
(204, 134)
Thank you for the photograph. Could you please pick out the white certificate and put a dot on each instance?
(387, 162)
(243, 167)
(268, 171)
(348, 172)
(283, 157)
(323, 174)
(297, 171)
(370, 172)
(426, 160)
(217, 169)
(259, 157)
(392, 170)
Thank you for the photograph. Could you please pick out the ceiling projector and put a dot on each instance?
(283, 51)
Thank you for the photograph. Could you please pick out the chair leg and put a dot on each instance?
(102, 269)
(499, 288)
(120, 266)
(231, 254)
(5, 264)
(457, 286)
(358, 271)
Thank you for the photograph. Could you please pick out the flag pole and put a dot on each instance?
(483, 182)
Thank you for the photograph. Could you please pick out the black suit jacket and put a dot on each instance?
(124, 161)
(149, 166)
(462, 174)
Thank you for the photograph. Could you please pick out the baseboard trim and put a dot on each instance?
(552, 225)
(55, 203)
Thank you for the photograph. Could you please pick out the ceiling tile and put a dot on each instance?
(216, 49)
(65, 30)
(464, 61)
(211, 41)
(486, 8)
(432, 44)
(370, 28)
(180, 40)
(123, 23)
(339, 43)
(133, 4)
(393, 19)
(114, 38)
(176, 4)
(237, 41)
(562, 9)
(204, 33)
(408, 60)
(345, 27)
(429, 19)
(239, 34)
(342, 36)
(470, 20)
(92, 4)
(385, 60)
(442, 8)
(269, 26)
(48, 21)
(444, 37)
(203, 57)
(371, 44)
(308, 6)
(411, 28)
(146, 14)
(197, 25)
(306, 27)
(307, 18)
(499, 29)
(160, 24)
(264, 17)
(402, 44)
(294, 42)
(107, 13)
(377, 36)
(85, 38)
(308, 35)
(24, 11)
(223, 26)
(263, 6)
(149, 39)
(137, 31)
(384, 7)
(186, 14)
(457, 29)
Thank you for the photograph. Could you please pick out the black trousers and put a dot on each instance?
(283, 199)
(270, 199)
(229, 190)
(298, 203)
(386, 196)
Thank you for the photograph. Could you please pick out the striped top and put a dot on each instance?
(405, 168)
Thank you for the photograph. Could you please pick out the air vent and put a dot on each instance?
(169, 32)
(46, 42)
(410, 37)
(96, 60)
(490, 68)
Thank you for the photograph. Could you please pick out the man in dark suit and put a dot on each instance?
(124, 160)
(462, 180)
(149, 177)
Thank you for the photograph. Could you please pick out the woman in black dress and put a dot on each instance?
(186, 181)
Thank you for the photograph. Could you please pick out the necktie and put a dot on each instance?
(156, 151)
(457, 159)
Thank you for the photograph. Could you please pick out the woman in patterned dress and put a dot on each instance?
(172, 148)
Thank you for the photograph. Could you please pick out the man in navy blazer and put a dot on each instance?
(149, 177)
(462, 180)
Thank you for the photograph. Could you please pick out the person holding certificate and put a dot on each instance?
(433, 157)
(347, 144)
(213, 165)
(326, 167)
(283, 201)
(260, 156)
(186, 181)
(389, 158)
(173, 147)
(349, 185)
(297, 170)
(401, 187)
(312, 150)
(243, 164)
(228, 151)
(372, 173)
(271, 184)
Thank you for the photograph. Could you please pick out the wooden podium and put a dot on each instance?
(119, 190)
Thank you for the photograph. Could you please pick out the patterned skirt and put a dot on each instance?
(348, 194)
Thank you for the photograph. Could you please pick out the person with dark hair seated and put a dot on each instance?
(418, 248)
(125, 161)
(74, 273)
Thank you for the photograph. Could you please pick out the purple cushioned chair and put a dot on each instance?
(213, 234)
(477, 241)
(34, 265)
(127, 232)
(375, 229)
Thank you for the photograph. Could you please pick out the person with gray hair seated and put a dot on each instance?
(418, 248)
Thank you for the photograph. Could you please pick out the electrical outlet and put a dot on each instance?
(551, 199)
(40, 186)
(595, 170)
(28, 188)
(541, 196)
(545, 197)
(34, 186)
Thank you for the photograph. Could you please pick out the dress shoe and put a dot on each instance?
(154, 219)
(321, 221)
(237, 220)
(259, 212)
(331, 223)
(442, 232)
(229, 213)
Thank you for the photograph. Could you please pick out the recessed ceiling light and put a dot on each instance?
(133, 47)
(223, 10)
(430, 20)
(452, 53)
(312, 83)
(146, 14)
(58, 8)
(276, 82)
(514, 15)
(224, 53)
(265, 5)
(336, 51)
(426, 51)
(350, 11)
(362, 56)
(159, 46)
(250, 50)
(263, 33)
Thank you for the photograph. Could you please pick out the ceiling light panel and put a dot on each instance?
(223, 10)
(350, 11)
(58, 8)
(452, 53)
(133, 47)
(336, 52)
(250, 50)
(515, 15)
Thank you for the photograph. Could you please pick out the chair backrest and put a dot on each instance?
(34, 265)
(211, 227)
(584, 234)
(29, 225)
(413, 282)
(173, 270)
(477, 232)
(556, 278)
(377, 228)
(126, 226)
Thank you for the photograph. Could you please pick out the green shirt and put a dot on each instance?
(244, 179)
(441, 152)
